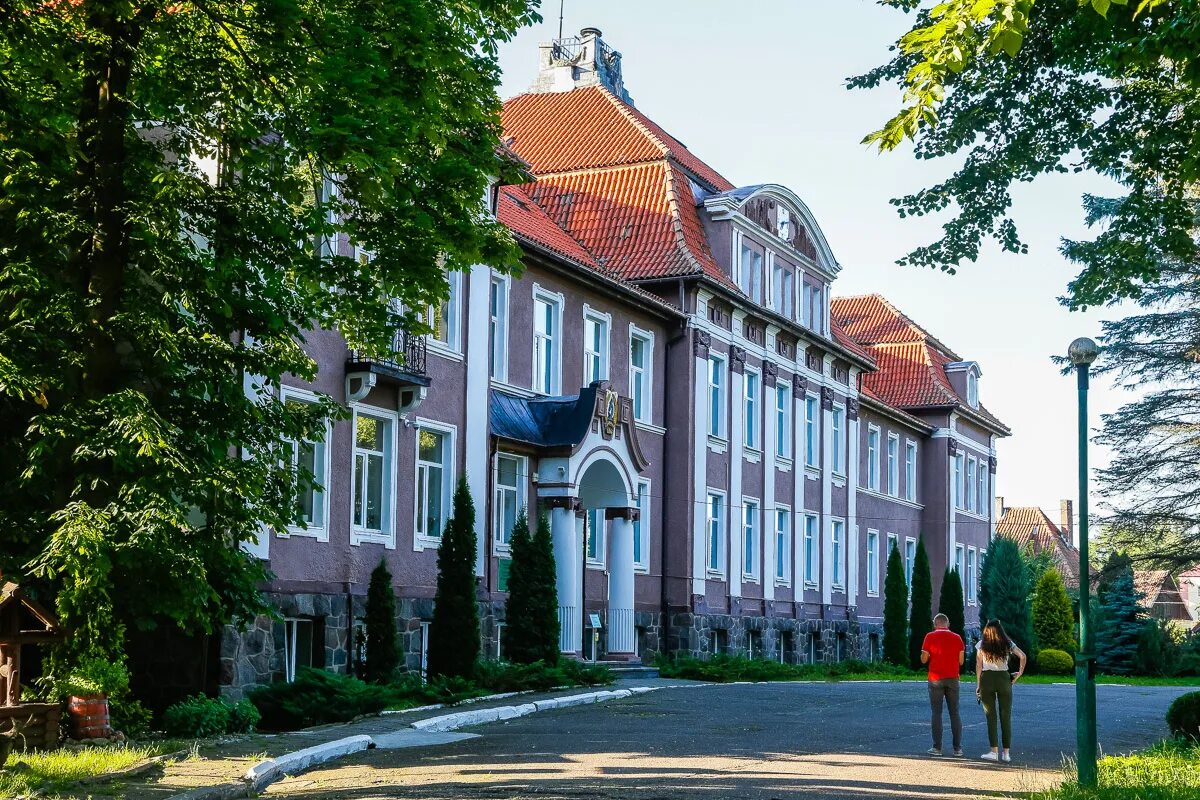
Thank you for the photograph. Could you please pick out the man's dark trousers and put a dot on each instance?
(947, 689)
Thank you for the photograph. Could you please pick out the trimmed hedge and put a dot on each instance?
(722, 668)
(1055, 662)
(198, 717)
(1183, 717)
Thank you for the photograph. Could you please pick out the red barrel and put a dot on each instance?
(89, 717)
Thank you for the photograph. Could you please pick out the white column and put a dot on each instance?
(800, 478)
(622, 636)
(567, 554)
(826, 500)
(767, 523)
(737, 432)
(700, 463)
(951, 533)
(852, 501)
(477, 433)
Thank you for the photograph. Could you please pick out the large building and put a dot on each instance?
(726, 454)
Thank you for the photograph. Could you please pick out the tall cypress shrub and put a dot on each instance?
(1122, 619)
(895, 610)
(1004, 590)
(1053, 617)
(950, 602)
(382, 654)
(920, 621)
(454, 633)
(531, 612)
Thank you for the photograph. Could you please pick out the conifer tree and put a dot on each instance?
(920, 620)
(531, 612)
(1053, 618)
(1122, 619)
(382, 654)
(895, 610)
(950, 602)
(454, 633)
(1004, 590)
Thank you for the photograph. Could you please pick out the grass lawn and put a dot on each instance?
(58, 769)
(1167, 771)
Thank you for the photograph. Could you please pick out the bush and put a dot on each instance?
(1053, 617)
(920, 620)
(317, 697)
(531, 634)
(1055, 662)
(895, 610)
(950, 602)
(1157, 652)
(95, 675)
(454, 633)
(382, 653)
(1183, 717)
(197, 717)
(1004, 588)
(243, 717)
(726, 669)
(539, 676)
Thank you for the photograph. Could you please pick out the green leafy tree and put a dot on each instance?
(895, 611)
(181, 186)
(920, 620)
(454, 632)
(1019, 89)
(531, 612)
(1053, 617)
(950, 602)
(1122, 619)
(1004, 591)
(382, 654)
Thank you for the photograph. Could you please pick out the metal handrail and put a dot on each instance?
(409, 353)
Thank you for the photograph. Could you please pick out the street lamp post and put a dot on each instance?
(1082, 353)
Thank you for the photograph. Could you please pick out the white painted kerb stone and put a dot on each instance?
(266, 771)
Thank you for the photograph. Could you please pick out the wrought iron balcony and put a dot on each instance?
(405, 361)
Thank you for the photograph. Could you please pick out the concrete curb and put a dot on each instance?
(266, 772)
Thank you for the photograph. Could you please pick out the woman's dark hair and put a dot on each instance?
(994, 641)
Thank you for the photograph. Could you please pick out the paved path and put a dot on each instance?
(751, 742)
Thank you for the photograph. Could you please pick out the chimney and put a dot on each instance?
(999, 508)
(574, 62)
(1066, 517)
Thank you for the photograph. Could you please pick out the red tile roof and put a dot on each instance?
(1030, 526)
(1194, 572)
(871, 320)
(527, 219)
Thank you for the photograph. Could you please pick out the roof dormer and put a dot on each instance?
(964, 377)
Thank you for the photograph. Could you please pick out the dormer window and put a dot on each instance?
(783, 224)
(750, 279)
(973, 389)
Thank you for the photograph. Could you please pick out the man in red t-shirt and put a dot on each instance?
(943, 651)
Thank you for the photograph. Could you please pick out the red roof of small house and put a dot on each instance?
(1194, 572)
(1150, 583)
(1029, 526)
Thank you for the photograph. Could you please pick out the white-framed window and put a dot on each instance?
(838, 434)
(872, 562)
(893, 543)
(498, 328)
(442, 318)
(435, 480)
(752, 382)
(750, 277)
(973, 389)
(783, 421)
(374, 475)
(893, 464)
(595, 347)
(298, 648)
(750, 517)
(811, 427)
(873, 458)
(597, 530)
(782, 289)
(910, 556)
(716, 531)
(971, 578)
(970, 486)
(508, 497)
(960, 561)
(910, 470)
(958, 480)
(309, 459)
(641, 365)
(783, 542)
(982, 503)
(813, 308)
(716, 396)
(641, 528)
(838, 551)
(783, 224)
(810, 548)
(547, 343)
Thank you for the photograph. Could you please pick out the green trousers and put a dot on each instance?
(995, 692)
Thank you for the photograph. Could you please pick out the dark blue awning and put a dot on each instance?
(542, 421)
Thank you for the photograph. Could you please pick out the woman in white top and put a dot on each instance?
(993, 685)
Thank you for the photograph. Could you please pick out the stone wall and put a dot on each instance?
(839, 637)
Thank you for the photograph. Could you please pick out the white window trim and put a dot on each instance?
(647, 373)
(839, 440)
(723, 536)
(961, 565)
(784, 460)
(756, 551)
(558, 300)
(788, 538)
(971, 580)
(453, 348)
(910, 486)
(970, 484)
(498, 547)
(320, 531)
(604, 320)
(908, 570)
(752, 448)
(721, 437)
(839, 586)
(502, 327)
(602, 544)
(873, 573)
(450, 470)
(363, 535)
(893, 489)
(873, 470)
(643, 532)
(812, 554)
(815, 439)
(958, 477)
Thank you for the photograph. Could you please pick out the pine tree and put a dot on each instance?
(1004, 590)
(1114, 565)
(920, 620)
(382, 654)
(950, 602)
(531, 613)
(895, 611)
(1053, 618)
(1122, 620)
(454, 633)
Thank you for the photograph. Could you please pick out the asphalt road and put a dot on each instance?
(845, 740)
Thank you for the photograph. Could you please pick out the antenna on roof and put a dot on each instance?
(560, 17)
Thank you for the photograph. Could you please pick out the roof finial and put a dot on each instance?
(560, 18)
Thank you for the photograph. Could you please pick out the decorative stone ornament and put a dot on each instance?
(952, 447)
(852, 408)
(770, 373)
(826, 398)
(799, 387)
(701, 340)
(737, 359)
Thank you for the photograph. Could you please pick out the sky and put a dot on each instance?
(757, 89)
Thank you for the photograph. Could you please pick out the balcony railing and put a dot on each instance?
(407, 355)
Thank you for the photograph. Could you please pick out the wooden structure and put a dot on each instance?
(24, 621)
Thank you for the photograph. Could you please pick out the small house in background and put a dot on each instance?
(1189, 590)
(24, 623)
(1029, 526)
(1161, 595)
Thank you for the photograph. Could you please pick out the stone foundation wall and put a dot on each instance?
(787, 639)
